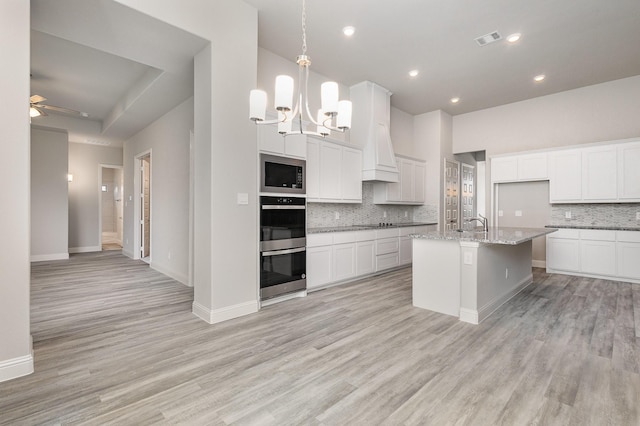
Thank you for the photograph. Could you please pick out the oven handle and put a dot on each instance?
(289, 251)
(272, 207)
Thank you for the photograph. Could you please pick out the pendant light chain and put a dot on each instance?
(304, 27)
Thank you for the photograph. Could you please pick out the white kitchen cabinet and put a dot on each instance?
(269, 140)
(366, 257)
(628, 254)
(410, 189)
(334, 172)
(565, 176)
(319, 266)
(405, 245)
(519, 168)
(387, 249)
(629, 172)
(599, 173)
(344, 261)
(598, 252)
(563, 250)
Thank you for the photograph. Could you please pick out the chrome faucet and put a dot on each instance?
(483, 221)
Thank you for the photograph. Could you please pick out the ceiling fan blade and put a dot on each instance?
(64, 110)
(36, 111)
(35, 99)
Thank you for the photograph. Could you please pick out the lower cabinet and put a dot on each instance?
(599, 253)
(365, 257)
(344, 261)
(319, 266)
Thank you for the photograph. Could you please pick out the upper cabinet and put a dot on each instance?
(334, 172)
(629, 172)
(409, 190)
(269, 140)
(525, 167)
(606, 173)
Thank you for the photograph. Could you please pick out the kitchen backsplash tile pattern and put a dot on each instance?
(324, 214)
(623, 215)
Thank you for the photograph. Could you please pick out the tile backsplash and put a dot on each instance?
(623, 215)
(324, 214)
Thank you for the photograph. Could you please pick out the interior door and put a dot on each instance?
(451, 195)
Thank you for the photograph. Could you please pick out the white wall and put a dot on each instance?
(402, 134)
(168, 139)
(15, 348)
(84, 193)
(225, 147)
(606, 111)
(49, 194)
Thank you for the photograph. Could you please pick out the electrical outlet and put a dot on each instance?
(637, 215)
(506, 273)
(468, 258)
(406, 214)
(500, 213)
(337, 215)
(169, 255)
(384, 214)
(518, 213)
(567, 215)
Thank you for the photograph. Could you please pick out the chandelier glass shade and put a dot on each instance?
(333, 114)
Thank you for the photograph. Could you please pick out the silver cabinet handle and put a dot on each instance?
(271, 207)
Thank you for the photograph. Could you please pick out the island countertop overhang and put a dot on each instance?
(495, 235)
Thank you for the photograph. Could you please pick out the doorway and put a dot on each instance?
(451, 195)
(111, 207)
(144, 206)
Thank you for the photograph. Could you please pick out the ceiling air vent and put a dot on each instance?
(488, 38)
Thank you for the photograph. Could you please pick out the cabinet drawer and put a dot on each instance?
(387, 245)
(628, 236)
(322, 239)
(365, 235)
(344, 237)
(386, 233)
(387, 261)
(570, 234)
(597, 235)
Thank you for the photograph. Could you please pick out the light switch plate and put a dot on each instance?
(468, 258)
(518, 213)
(567, 215)
(500, 213)
(243, 198)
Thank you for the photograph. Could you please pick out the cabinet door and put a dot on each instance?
(598, 257)
(269, 140)
(330, 170)
(365, 257)
(295, 145)
(344, 261)
(565, 176)
(319, 266)
(628, 254)
(313, 168)
(532, 167)
(599, 174)
(420, 175)
(351, 174)
(563, 254)
(629, 171)
(386, 261)
(504, 169)
(406, 179)
(405, 250)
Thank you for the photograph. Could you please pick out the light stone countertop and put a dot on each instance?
(499, 235)
(597, 227)
(364, 227)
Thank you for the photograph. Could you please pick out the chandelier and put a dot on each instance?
(331, 107)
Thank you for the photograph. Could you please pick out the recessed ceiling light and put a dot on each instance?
(514, 37)
(539, 78)
(455, 100)
(414, 73)
(348, 31)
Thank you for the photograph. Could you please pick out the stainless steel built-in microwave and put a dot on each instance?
(281, 174)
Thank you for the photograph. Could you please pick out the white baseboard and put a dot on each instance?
(181, 278)
(127, 253)
(16, 367)
(224, 314)
(84, 249)
(476, 317)
(46, 257)
(539, 263)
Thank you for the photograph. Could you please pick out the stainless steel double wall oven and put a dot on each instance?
(283, 258)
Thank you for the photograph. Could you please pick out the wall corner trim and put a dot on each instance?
(16, 367)
(223, 314)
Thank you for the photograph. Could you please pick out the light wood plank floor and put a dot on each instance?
(116, 343)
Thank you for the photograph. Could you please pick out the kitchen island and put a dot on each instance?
(470, 274)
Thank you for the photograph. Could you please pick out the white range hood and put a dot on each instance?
(370, 125)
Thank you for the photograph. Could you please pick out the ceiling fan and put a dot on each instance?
(38, 109)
